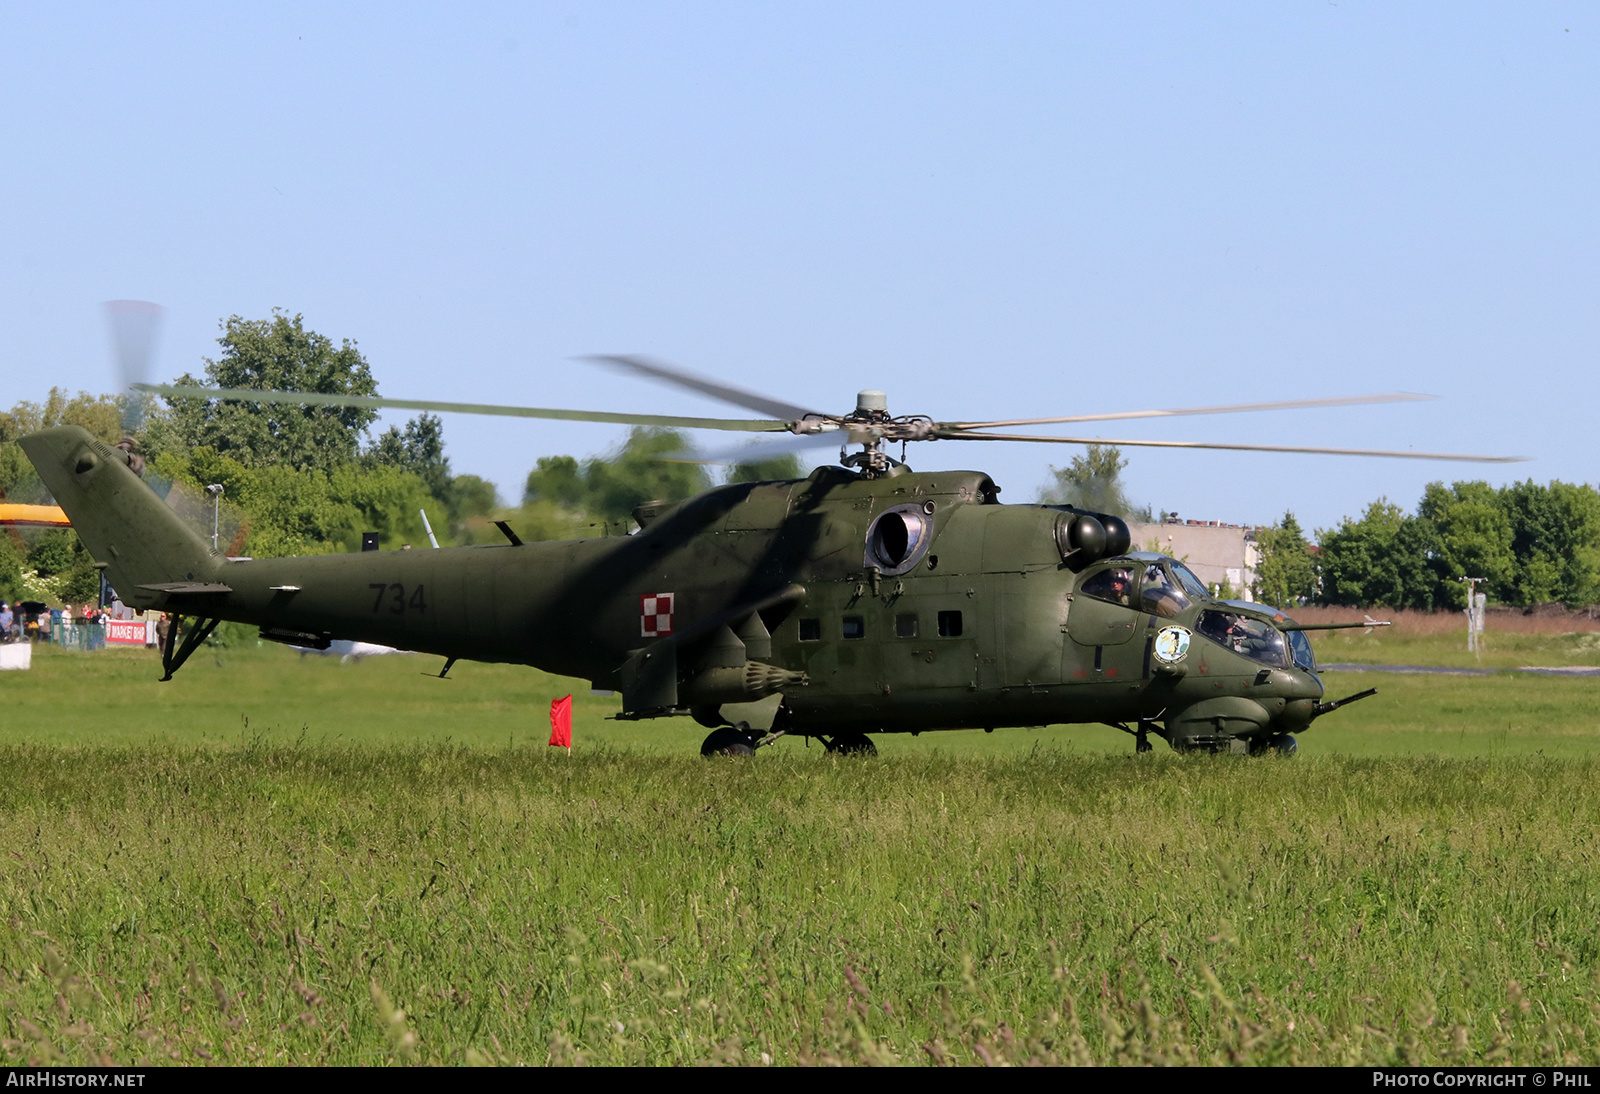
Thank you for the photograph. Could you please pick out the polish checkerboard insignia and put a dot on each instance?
(655, 614)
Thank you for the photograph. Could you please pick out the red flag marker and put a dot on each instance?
(561, 723)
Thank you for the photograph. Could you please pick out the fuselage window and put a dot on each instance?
(1160, 595)
(949, 624)
(905, 625)
(854, 627)
(811, 630)
(1115, 585)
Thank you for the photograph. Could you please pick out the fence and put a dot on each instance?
(97, 636)
(78, 636)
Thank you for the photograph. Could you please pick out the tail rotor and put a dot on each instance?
(135, 325)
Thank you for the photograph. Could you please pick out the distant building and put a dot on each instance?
(1217, 553)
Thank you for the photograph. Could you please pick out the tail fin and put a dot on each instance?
(121, 521)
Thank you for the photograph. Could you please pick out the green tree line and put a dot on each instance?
(651, 465)
(49, 564)
(1530, 542)
(311, 479)
(297, 480)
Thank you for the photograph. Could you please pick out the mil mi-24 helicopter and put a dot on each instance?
(864, 598)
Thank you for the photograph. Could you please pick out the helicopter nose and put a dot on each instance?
(1296, 683)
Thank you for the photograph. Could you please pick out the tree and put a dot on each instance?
(385, 500)
(18, 480)
(101, 415)
(1474, 540)
(471, 496)
(277, 354)
(1383, 558)
(609, 488)
(291, 511)
(52, 553)
(1092, 481)
(80, 583)
(10, 569)
(419, 450)
(1286, 572)
(1555, 542)
(770, 470)
(557, 480)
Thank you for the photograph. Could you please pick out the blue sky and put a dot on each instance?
(986, 210)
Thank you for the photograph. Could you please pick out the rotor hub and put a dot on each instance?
(872, 404)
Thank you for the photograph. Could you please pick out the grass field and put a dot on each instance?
(270, 859)
(1440, 638)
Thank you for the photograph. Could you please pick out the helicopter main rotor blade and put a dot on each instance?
(670, 374)
(313, 398)
(757, 451)
(1293, 404)
(1233, 447)
(134, 326)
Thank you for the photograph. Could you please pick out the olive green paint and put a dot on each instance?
(745, 564)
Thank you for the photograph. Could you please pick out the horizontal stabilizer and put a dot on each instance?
(182, 588)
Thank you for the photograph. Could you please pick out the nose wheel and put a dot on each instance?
(850, 744)
(1283, 744)
(739, 740)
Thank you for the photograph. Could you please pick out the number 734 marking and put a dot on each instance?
(396, 596)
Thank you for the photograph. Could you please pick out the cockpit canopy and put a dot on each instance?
(1148, 583)
(1166, 588)
(1299, 643)
(1243, 634)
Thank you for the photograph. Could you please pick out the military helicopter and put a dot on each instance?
(864, 598)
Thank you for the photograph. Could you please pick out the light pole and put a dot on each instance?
(1475, 607)
(215, 490)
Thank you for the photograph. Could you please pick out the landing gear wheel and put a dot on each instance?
(1285, 745)
(729, 741)
(851, 744)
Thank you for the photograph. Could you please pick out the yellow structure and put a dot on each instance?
(38, 516)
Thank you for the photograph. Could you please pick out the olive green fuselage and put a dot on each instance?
(901, 603)
(986, 630)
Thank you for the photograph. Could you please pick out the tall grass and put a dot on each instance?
(1511, 639)
(1437, 624)
(272, 859)
(450, 904)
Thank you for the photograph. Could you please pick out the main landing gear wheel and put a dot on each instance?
(729, 741)
(851, 744)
